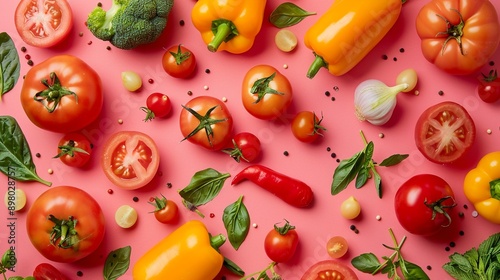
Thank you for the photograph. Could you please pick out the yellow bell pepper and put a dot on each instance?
(229, 25)
(348, 31)
(187, 253)
(482, 187)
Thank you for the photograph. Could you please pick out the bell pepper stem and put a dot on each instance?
(495, 189)
(216, 241)
(223, 30)
(317, 64)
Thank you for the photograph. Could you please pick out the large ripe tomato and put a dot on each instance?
(43, 23)
(423, 204)
(74, 149)
(179, 62)
(62, 94)
(130, 159)
(329, 270)
(65, 224)
(266, 93)
(207, 122)
(281, 243)
(444, 132)
(458, 36)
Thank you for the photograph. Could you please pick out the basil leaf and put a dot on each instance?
(362, 177)
(233, 267)
(17, 278)
(15, 155)
(9, 64)
(346, 171)
(237, 222)
(288, 14)
(367, 263)
(413, 272)
(393, 160)
(205, 185)
(378, 182)
(117, 263)
(369, 148)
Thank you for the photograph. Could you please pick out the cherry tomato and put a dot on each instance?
(46, 271)
(179, 62)
(166, 211)
(281, 243)
(43, 23)
(246, 146)
(130, 159)
(329, 270)
(266, 93)
(62, 94)
(445, 132)
(337, 247)
(157, 105)
(350, 208)
(74, 149)
(70, 207)
(423, 204)
(131, 80)
(459, 37)
(489, 87)
(306, 126)
(206, 121)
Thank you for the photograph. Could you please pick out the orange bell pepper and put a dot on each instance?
(482, 187)
(229, 25)
(348, 31)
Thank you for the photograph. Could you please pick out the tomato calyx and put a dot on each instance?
(492, 76)
(159, 203)
(317, 126)
(52, 95)
(70, 150)
(453, 31)
(284, 229)
(261, 88)
(205, 123)
(236, 153)
(63, 234)
(437, 207)
(180, 56)
(150, 115)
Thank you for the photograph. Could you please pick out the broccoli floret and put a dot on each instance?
(130, 23)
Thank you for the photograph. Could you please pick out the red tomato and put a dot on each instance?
(306, 126)
(423, 204)
(130, 159)
(281, 243)
(179, 62)
(459, 37)
(43, 23)
(46, 271)
(158, 105)
(62, 94)
(489, 87)
(246, 146)
(166, 211)
(206, 121)
(74, 149)
(266, 93)
(329, 270)
(70, 207)
(444, 132)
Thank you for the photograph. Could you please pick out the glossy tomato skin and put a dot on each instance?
(46, 271)
(413, 202)
(280, 247)
(43, 23)
(158, 105)
(130, 159)
(221, 130)
(73, 111)
(271, 105)
(246, 147)
(329, 270)
(306, 126)
(179, 62)
(480, 34)
(489, 87)
(169, 214)
(63, 202)
(74, 149)
(445, 132)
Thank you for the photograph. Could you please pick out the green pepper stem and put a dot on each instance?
(217, 241)
(495, 189)
(317, 64)
(223, 30)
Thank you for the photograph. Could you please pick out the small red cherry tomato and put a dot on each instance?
(306, 126)
(281, 243)
(489, 87)
(179, 62)
(166, 211)
(74, 149)
(246, 146)
(157, 105)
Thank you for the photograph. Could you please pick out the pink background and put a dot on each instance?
(310, 163)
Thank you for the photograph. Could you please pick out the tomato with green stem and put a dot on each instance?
(74, 149)
(306, 126)
(246, 146)
(166, 211)
(157, 105)
(179, 62)
(489, 87)
(281, 243)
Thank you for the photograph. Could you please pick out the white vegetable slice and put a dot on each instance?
(126, 216)
(15, 199)
(285, 40)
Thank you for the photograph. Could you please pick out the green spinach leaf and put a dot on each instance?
(117, 263)
(237, 222)
(288, 14)
(9, 64)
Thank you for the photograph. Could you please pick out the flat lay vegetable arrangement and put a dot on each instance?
(198, 140)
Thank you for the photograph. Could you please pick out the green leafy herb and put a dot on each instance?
(117, 263)
(288, 14)
(369, 263)
(263, 274)
(15, 155)
(233, 267)
(9, 64)
(477, 264)
(361, 167)
(237, 222)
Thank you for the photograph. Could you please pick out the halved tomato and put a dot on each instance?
(329, 270)
(130, 159)
(43, 23)
(444, 132)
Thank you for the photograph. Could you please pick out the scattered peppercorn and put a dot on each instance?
(461, 214)
(465, 206)
(338, 160)
(401, 50)
(328, 149)
(89, 43)
(169, 185)
(356, 231)
(135, 199)
(333, 155)
(212, 215)
(327, 93)
(99, 4)
(23, 49)
(110, 191)
(30, 62)
(440, 92)
(429, 267)
(108, 48)
(151, 81)
(384, 57)
(461, 233)
(395, 58)
(352, 227)
(447, 249)
(38, 155)
(190, 93)
(181, 22)
(27, 56)
(207, 71)
(81, 33)
(333, 98)
(79, 273)
(336, 88)
(452, 244)
(286, 153)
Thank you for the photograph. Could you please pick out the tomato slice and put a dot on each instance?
(444, 132)
(43, 23)
(130, 159)
(329, 270)
(46, 271)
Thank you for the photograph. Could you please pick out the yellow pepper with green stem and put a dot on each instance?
(229, 25)
(348, 31)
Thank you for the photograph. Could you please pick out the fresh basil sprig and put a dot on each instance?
(237, 222)
(369, 263)
(9, 64)
(361, 167)
(117, 263)
(288, 14)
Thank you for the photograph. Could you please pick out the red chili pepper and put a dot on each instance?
(290, 190)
